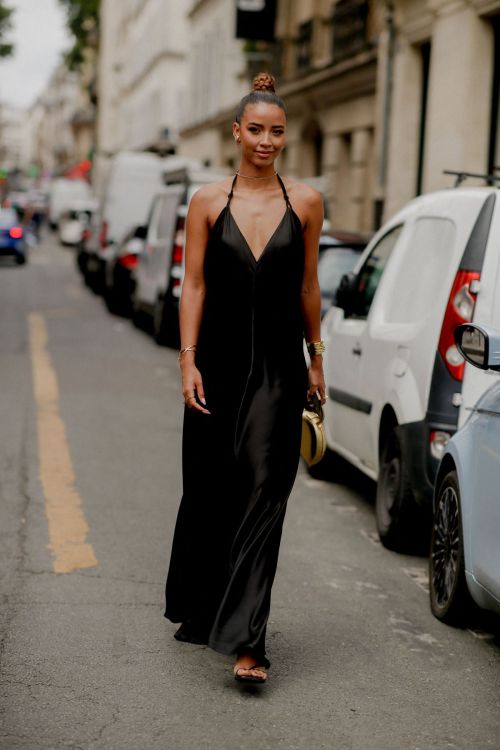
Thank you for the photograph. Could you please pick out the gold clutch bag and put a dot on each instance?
(313, 442)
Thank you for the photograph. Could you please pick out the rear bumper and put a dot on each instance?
(17, 249)
(420, 466)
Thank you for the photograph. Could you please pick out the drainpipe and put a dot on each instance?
(386, 112)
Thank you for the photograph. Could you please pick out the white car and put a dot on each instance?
(159, 273)
(465, 550)
(63, 192)
(75, 220)
(395, 378)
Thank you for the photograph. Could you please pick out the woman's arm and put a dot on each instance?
(310, 293)
(192, 299)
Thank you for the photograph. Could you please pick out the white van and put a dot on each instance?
(394, 376)
(134, 178)
(62, 194)
(160, 270)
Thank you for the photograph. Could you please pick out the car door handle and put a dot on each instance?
(357, 351)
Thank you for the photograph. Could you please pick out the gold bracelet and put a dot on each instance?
(191, 348)
(315, 348)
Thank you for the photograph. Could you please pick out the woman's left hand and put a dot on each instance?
(317, 379)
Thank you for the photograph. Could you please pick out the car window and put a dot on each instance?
(166, 219)
(332, 265)
(369, 276)
(425, 263)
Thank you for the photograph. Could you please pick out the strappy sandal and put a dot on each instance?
(250, 679)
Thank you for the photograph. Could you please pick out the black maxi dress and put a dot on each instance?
(240, 462)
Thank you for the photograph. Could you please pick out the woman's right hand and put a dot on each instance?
(192, 387)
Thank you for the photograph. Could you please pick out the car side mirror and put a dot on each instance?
(344, 297)
(479, 345)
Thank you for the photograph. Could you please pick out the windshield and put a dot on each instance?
(332, 265)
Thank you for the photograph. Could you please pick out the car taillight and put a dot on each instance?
(438, 440)
(103, 234)
(16, 233)
(178, 248)
(459, 310)
(128, 261)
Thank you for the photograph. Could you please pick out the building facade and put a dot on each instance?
(382, 95)
(325, 58)
(13, 138)
(444, 109)
(54, 147)
(217, 79)
(141, 77)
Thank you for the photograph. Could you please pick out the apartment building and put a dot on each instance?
(444, 108)
(326, 63)
(217, 79)
(141, 77)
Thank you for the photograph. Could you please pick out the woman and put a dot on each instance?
(250, 294)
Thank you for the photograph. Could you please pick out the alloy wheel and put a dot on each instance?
(445, 554)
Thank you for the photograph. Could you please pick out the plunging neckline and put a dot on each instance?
(271, 238)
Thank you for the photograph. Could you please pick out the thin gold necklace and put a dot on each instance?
(251, 177)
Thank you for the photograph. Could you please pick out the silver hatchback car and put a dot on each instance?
(465, 543)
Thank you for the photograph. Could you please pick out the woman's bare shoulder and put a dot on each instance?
(302, 192)
(209, 200)
(212, 193)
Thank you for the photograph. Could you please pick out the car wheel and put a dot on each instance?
(20, 260)
(327, 468)
(164, 331)
(81, 262)
(139, 317)
(449, 595)
(395, 509)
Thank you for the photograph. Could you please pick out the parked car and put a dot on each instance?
(13, 240)
(62, 193)
(119, 283)
(134, 179)
(74, 221)
(465, 550)
(337, 257)
(393, 372)
(160, 271)
(87, 255)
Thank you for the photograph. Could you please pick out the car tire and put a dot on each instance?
(395, 509)
(20, 260)
(165, 332)
(327, 468)
(81, 262)
(139, 318)
(450, 599)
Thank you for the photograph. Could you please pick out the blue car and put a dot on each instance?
(12, 236)
(465, 543)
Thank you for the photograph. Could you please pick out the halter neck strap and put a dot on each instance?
(230, 194)
(282, 185)
(285, 194)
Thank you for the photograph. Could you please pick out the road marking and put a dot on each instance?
(68, 528)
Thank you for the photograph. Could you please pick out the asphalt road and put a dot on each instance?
(90, 419)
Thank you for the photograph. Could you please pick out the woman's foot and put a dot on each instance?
(247, 669)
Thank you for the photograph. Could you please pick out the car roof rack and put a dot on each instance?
(461, 176)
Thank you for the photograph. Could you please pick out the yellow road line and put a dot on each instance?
(68, 528)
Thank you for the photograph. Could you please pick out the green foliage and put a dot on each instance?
(82, 18)
(6, 48)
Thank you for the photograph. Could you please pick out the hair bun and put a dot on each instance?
(264, 82)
